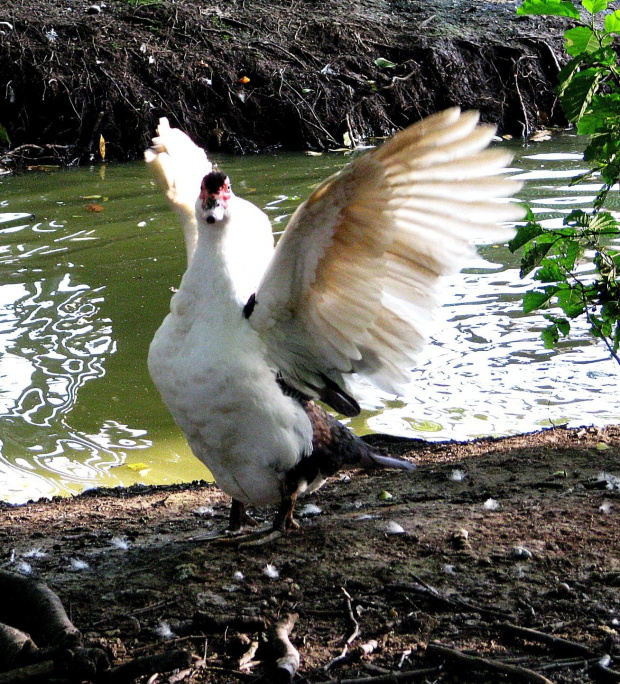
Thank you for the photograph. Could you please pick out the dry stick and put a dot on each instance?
(218, 624)
(521, 674)
(351, 638)
(557, 643)
(603, 674)
(247, 662)
(30, 605)
(563, 664)
(430, 591)
(30, 673)
(146, 665)
(391, 677)
(15, 646)
(285, 654)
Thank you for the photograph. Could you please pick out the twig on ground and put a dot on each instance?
(421, 587)
(569, 662)
(246, 662)
(601, 673)
(29, 673)
(30, 605)
(471, 662)
(558, 644)
(218, 624)
(391, 677)
(286, 656)
(355, 630)
(146, 665)
(526, 122)
(15, 646)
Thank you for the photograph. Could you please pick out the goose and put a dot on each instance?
(256, 335)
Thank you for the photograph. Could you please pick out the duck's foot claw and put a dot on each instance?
(260, 539)
(248, 539)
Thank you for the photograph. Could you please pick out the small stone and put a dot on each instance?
(521, 552)
(459, 538)
(457, 475)
(394, 528)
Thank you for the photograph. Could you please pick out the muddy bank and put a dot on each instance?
(253, 74)
(520, 531)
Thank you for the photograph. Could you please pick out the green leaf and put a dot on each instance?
(577, 217)
(550, 272)
(612, 22)
(4, 136)
(579, 40)
(603, 222)
(525, 233)
(535, 299)
(550, 336)
(566, 73)
(563, 325)
(578, 94)
(558, 8)
(571, 302)
(594, 6)
(533, 255)
(384, 63)
(603, 117)
(571, 253)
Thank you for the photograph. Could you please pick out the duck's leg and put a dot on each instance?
(239, 517)
(283, 522)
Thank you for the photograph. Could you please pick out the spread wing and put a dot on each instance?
(352, 284)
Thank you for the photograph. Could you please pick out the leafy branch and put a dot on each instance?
(589, 93)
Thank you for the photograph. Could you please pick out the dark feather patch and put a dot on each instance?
(249, 306)
(333, 395)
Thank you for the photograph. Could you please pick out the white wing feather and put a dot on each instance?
(178, 166)
(352, 284)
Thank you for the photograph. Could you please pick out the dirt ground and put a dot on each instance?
(521, 531)
(250, 75)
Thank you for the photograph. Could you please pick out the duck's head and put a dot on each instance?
(215, 193)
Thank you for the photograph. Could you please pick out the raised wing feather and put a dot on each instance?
(352, 284)
(178, 166)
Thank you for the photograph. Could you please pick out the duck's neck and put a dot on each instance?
(208, 275)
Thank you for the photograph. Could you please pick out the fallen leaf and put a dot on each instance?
(384, 63)
(95, 208)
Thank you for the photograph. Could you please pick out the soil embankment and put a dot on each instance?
(254, 74)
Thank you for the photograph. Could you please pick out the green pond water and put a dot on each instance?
(83, 291)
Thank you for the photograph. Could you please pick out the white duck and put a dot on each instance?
(254, 334)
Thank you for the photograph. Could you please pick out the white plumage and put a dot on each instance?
(350, 289)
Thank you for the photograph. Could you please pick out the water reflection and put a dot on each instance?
(82, 293)
(53, 340)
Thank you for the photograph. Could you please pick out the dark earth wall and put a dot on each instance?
(252, 74)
